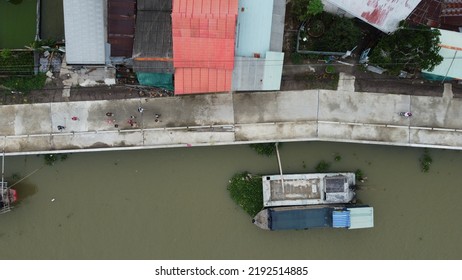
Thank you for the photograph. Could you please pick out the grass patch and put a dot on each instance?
(312, 80)
(246, 190)
(24, 84)
(16, 63)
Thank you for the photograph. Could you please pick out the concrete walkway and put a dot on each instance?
(222, 119)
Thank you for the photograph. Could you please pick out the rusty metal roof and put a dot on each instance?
(444, 14)
(121, 26)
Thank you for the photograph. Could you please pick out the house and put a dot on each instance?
(442, 14)
(259, 57)
(153, 49)
(232, 45)
(385, 15)
(95, 30)
(451, 50)
(204, 33)
(191, 46)
(85, 31)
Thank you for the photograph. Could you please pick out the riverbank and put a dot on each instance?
(239, 118)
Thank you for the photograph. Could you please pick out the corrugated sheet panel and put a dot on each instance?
(153, 49)
(254, 27)
(361, 217)
(451, 48)
(383, 14)
(84, 27)
(277, 25)
(273, 70)
(121, 26)
(253, 74)
(300, 218)
(155, 5)
(202, 80)
(203, 45)
(341, 219)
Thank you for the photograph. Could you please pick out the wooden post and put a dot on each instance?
(280, 166)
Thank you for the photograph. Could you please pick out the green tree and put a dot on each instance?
(342, 35)
(315, 7)
(303, 9)
(410, 48)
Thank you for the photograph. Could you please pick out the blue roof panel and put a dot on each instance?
(254, 27)
(341, 219)
(300, 218)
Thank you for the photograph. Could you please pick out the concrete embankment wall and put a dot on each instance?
(238, 118)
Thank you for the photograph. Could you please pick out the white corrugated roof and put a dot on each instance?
(361, 217)
(85, 31)
(451, 51)
(383, 14)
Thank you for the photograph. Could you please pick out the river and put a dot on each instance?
(173, 204)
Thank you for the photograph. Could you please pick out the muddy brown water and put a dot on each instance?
(173, 204)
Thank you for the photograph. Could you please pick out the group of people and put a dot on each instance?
(132, 120)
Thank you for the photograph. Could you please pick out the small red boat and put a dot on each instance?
(8, 197)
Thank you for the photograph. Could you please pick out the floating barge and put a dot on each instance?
(308, 201)
(308, 189)
(315, 216)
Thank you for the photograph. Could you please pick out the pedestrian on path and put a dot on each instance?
(140, 109)
(61, 128)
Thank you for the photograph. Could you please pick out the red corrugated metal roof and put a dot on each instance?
(202, 80)
(203, 44)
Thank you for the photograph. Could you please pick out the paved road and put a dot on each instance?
(219, 119)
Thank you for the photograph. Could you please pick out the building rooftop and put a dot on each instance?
(121, 26)
(84, 27)
(259, 57)
(203, 45)
(444, 14)
(382, 14)
(153, 49)
(451, 51)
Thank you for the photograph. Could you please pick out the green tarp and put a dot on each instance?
(160, 80)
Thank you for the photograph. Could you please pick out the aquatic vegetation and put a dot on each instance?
(425, 161)
(265, 149)
(246, 190)
(323, 166)
(337, 157)
(360, 175)
(50, 159)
